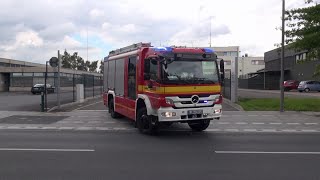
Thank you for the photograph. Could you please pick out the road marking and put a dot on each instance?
(275, 123)
(308, 130)
(241, 123)
(53, 150)
(223, 123)
(269, 130)
(293, 123)
(66, 128)
(257, 123)
(85, 128)
(264, 152)
(250, 130)
(251, 115)
(213, 130)
(267, 115)
(310, 123)
(288, 130)
(87, 105)
(232, 130)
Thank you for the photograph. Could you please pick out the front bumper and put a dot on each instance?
(209, 113)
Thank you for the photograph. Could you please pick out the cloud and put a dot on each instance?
(34, 30)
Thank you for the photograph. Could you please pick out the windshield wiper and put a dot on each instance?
(203, 80)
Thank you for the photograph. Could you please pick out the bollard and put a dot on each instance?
(42, 102)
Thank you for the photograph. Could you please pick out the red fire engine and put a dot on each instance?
(162, 85)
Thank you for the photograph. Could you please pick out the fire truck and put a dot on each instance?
(158, 86)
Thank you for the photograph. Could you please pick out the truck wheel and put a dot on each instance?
(306, 89)
(199, 125)
(144, 123)
(111, 110)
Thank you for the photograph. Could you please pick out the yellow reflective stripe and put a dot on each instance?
(181, 89)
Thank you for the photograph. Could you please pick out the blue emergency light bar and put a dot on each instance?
(208, 50)
(162, 49)
(170, 49)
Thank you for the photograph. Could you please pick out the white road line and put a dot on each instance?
(267, 115)
(251, 115)
(241, 123)
(257, 123)
(232, 130)
(66, 128)
(250, 130)
(293, 123)
(223, 123)
(265, 152)
(87, 105)
(213, 130)
(309, 130)
(288, 130)
(275, 123)
(52, 150)
(268, 130)
(310, 123)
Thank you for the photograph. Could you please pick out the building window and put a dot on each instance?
(38, 74)
(227, 63)
(257, 62)
(28, 74)
(16, 74)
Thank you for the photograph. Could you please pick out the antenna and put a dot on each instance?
(210, 30)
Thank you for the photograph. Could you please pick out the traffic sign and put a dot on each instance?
(54, 62)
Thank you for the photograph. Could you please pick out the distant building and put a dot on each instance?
(293, 68)
(21, 76)
(246, 64)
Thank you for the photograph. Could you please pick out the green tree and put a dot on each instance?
(93, 66)
(80, 64)
(101, 68)
(87, 65)
(65, 60)
(303, 32)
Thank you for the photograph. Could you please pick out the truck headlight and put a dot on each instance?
(168, 114)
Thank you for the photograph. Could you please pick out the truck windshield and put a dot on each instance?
(189, 71)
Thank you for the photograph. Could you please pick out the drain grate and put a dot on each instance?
(17, 119)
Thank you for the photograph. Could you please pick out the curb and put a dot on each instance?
(234, 105)
(73, 103)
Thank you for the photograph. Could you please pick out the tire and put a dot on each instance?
(306, 90)
(199, 125)
(300, 91)
(111, 110)
(144, 122)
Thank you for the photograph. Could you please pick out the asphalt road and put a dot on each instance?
(251, 93)
(172, 155)
(12, 101)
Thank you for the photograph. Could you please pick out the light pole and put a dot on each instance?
(282, 60)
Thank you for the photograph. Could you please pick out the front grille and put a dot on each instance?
(189, 96)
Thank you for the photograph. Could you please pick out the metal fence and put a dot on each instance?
(93, 85)
(226, 89)
(259, 81)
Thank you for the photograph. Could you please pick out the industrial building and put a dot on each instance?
(21, 76)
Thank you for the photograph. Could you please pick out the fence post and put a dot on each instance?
(73, 84)
(93, 85)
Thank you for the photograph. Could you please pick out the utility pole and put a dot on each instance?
(282, 60)
(210, 29)
(58, 83)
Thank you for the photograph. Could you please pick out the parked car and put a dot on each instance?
(309, 86)
(290, 85)
(38, 88)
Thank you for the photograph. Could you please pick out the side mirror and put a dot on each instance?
(146, 76)
(150, 85)
(222, 71)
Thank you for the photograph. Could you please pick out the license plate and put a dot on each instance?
(190, 112)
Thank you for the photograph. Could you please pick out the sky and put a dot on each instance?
(35, 30)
